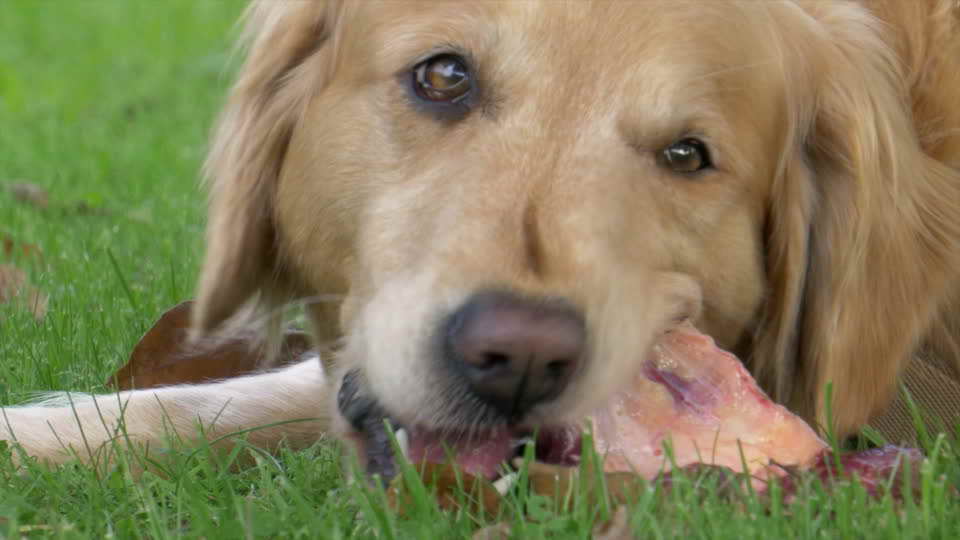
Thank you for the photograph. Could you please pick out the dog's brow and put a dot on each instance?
(409, 39)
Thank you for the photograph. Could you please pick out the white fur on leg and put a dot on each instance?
(84, 425)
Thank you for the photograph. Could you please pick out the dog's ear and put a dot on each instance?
(863, 236)
(289, 58)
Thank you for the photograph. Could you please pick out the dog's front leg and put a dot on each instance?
(291, 405)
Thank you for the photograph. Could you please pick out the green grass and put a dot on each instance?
(108, 103)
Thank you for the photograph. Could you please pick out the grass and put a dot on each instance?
(106, 104)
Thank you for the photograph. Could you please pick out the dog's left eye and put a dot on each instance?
(443, 78)
(687, 156)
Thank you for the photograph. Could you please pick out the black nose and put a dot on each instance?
(514, 352)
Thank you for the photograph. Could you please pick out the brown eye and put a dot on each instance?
(443, 78)
(687, 156)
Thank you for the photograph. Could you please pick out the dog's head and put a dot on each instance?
(515, 199)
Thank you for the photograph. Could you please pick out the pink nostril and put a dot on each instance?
(515, 352)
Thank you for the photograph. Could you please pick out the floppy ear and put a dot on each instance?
(865, 235)
(289, 58)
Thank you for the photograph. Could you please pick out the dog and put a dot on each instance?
(507, 203)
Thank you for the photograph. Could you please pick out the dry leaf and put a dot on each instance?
(30, 194)
(557, 481)
(481, 495)
(11, 247)
(38, 197)
(500, 531)
(83, 208)
(15, 289)
(478, 493)
(618, 528)
(164, 356)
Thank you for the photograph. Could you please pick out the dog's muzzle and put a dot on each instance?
(502, 355)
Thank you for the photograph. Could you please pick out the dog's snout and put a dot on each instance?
(513, 352)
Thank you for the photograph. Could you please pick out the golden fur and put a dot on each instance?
(824, 248)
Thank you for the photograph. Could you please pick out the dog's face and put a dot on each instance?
(469, 166)
(584, 155)
(515, 199)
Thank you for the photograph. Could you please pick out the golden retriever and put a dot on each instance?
(510, 201)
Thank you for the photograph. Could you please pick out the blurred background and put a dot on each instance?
(105, 108)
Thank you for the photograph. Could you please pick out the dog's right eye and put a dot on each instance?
(687, 156)
(443, 78)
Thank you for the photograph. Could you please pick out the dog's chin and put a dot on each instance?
(485, 451)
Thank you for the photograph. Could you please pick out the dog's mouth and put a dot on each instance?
(485, 452)
(689, 394)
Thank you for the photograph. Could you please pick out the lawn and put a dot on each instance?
(106, 106)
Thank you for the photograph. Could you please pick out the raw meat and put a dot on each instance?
(704, 404)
